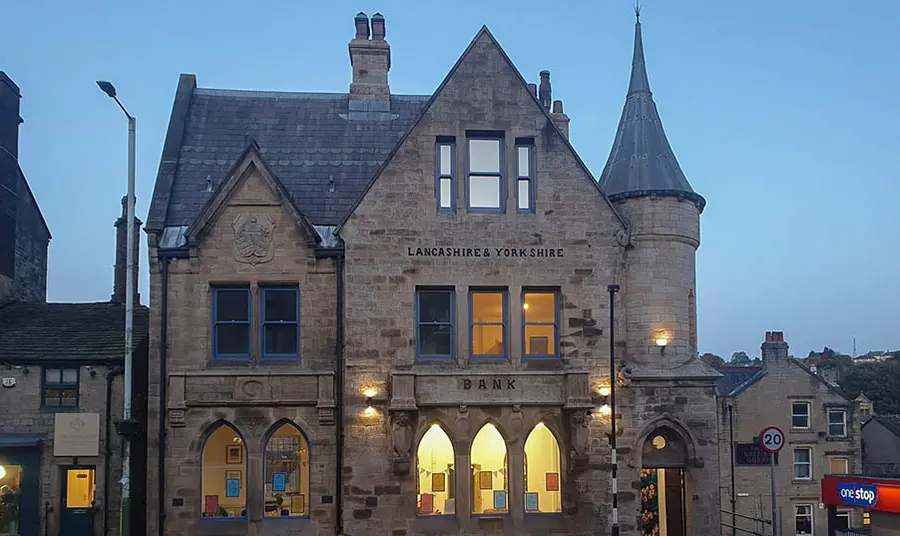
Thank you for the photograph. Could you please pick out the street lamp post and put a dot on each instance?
(128, 429)
(612, 289)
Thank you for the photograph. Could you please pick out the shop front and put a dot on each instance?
(878, 497)
(20, 466)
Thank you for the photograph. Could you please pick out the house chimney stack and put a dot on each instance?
(370, 60)
(9, 115)
(119, 276)
(533, 89)
(559, 118)
(544, 93)
(774, 348)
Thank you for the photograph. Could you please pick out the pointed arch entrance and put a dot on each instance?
(664, 457)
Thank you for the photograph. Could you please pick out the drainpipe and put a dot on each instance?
(731, 442)
(107, 453)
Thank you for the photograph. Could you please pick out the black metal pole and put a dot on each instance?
(612, 404)
(731, 442)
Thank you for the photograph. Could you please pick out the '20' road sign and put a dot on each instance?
(771, 439)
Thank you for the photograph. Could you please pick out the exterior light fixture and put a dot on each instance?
(369, 393)
(659, 442)
(369, 411)
(604, 390)
(2, 472)
(605, 410)
(662, 341)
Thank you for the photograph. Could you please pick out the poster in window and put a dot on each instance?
(232, 488)
(212, 504)
(499, 500)
(438, 482)
(426, 505)
(298, 503)
(552, 481)
(485, 480)
(539, 346)
(233, 454)
(531, 501)
(233, 475)
(279, 481)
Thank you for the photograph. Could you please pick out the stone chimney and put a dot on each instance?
(559, 118)
(9, 115)
(119, 277)
(544, 92)
(533, 89)
(774, 348)
(370, 60)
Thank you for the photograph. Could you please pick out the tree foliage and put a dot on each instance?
(712, 360)
(740, 358)
(879, 381)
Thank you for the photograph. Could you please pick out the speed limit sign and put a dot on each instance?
(771, 439)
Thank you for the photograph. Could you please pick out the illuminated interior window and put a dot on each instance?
(867, 519)
(490, 483)
(435, 465)
(542, 474)
(224, 470)
(80, 486)
(287, 473)
(540, 312)
(838, 465)
(10, 493)
(488, 316)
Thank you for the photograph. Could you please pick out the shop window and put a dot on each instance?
(224, 474)
(800, 415)
(280, 323)
(802, 463)
(867, 518)
(445, 186)
(843, 521)
(435, 467)
(542, 474)
(60, 388)
(287, 473)
(231, 323)
(540, 318)
(803, 519)
(485, 179)
(490, 481)
(434, 323)
(838, 465)
(837, 423)
(488, 323)
(10, 498)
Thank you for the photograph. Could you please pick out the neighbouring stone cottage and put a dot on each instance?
(383, 314)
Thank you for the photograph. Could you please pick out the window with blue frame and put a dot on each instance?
(280, 322)
(231, 322)
(487, 316)
(525, 175)
(445, 187)
(60, 387)
(434, 323)
(540, 323)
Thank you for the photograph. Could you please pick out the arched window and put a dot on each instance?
(435, 466)
(287, 473)
(224, 473)
(542, 474)
(490, 482)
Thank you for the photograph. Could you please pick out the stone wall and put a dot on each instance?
(31, 251)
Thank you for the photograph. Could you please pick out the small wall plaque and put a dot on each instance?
(9, 382)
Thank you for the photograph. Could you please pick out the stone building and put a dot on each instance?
(822, 436)
(355, 296)
(881, 445)
(61, 366)
(24, 235)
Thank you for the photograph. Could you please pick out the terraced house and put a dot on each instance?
(387, 314)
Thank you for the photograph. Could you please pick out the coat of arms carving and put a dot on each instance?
(253, 238)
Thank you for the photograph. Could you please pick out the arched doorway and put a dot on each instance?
(664, 456)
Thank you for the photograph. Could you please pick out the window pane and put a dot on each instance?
(232, 305)
(542, 474)
(836, 430)
(287, 473)
(489, 472)
(487, 339)
(446, 193)
(524, 194)
(434, 306)
(233, 339)
(524, 161)
(69, 398)
(12, 492)
(800, 421)
(539, 307)
(800, 408)
(52, 375)
(802, 455)
(838, 466)
(70, 376)
(803, 520)
(281, 339)
(51, 397)
(487, 307)
(281, 305)
(80, 488)
(843, 521)
(437, 474)
(484, 192)
(484, 156)
(836, 417)
(540, 339)
(435, 339)
(224, 475)
(446, 155)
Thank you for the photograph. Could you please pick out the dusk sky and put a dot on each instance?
(783, 115)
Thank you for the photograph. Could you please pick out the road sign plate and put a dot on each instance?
(771, 439)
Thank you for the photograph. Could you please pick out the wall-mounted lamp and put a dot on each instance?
(662, 341)
(369, 393)
(604, 392)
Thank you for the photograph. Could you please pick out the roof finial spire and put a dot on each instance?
(637, 10)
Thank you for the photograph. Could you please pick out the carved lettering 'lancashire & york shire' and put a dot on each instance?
(482, 252)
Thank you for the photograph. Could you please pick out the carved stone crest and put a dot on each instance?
(253, 238)
(401, 441)
(580, 437)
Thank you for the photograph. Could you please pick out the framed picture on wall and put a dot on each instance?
(552, 481)
(531, 501)
(438, 482)
(234, 454)
(485, 480)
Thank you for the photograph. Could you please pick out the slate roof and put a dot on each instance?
(322, 147)
(67, 331)
(891, 422)
(736, 377)
(641, 161)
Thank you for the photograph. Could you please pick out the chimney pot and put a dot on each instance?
(544, 92)
(378, 31)
(533, 89)
(362, 25)
(557, 107)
